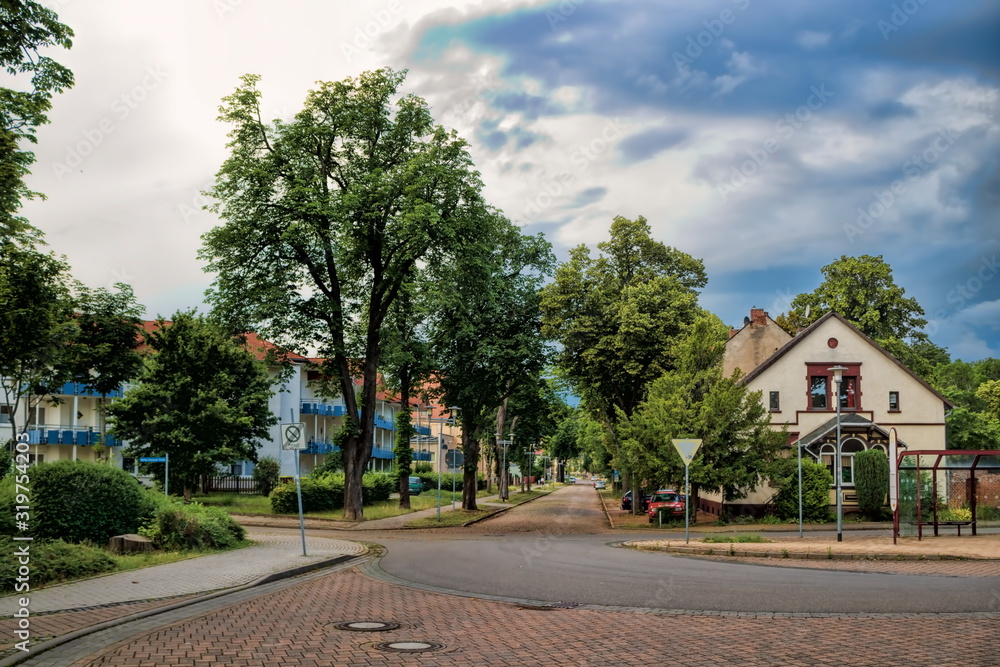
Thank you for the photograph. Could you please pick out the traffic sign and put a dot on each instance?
(293, 436)
(152, 459)
(687, 449)
(454, 458)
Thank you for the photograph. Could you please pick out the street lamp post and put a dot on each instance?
(838, 376)
(441, 422)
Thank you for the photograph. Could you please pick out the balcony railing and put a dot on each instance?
(61, 435)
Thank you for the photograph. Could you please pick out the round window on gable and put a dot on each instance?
(832, 342)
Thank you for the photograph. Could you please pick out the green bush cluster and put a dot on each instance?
(53, 561)
(321, 493)
(816, 481)
(266, 474)
(77, 501)
(430, 480)
(871, 482)
(193, 526)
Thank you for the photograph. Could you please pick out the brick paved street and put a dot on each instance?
(296, 626)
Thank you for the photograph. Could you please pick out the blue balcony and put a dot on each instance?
(382, 422)
(323, 409)
(421, 456)
(422, 430)
(316, 447)
(380, 453)
(80, 389)
(69, 436)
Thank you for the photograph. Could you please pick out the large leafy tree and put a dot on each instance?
(863, 290)
(26, 29)
(105, 350)
(326, 217)
(695, 401)
(617, 318)
(486, 332)
(36, 326)
(202, 399)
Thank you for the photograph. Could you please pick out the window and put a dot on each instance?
(4, 414)
(36, 416)
(821, 387)
(893, 401)
(848, 392)
(773, 403)
(817, 392)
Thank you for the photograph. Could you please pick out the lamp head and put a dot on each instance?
(838, 373)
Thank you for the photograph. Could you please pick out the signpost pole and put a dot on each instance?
(894, 483)
(687, 449)
(166, 475)
(298, 487)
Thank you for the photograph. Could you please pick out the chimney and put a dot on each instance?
(758, 317)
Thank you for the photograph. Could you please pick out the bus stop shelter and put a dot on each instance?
(949, 488)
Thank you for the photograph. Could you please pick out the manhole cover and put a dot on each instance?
(366, 626)
(409, 647)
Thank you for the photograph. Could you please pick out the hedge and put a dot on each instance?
(78, 501)
(193, 526)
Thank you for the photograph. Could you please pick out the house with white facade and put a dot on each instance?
(796, 378)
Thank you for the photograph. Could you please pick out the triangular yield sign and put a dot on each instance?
(687, 449)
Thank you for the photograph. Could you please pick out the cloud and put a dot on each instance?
(809, 39)
(648, 143)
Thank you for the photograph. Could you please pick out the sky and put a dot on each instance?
(766, 138)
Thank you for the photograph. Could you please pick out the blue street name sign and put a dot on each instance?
(152, 459)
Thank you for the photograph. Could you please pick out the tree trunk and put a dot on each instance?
(404, 455)
(470, 448)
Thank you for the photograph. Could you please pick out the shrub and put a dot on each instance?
(193, 526)
(318, 495)
(816, 481)
(871, 481)
(7, 503)
(77, 501)
(6, 461)
(265, 475)
(332, 462)
(54, 561)
(376, 487)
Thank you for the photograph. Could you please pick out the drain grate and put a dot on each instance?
(409, 647)
(366, 626)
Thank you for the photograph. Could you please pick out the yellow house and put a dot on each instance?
(797, 383)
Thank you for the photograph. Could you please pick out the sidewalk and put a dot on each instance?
(270, 554)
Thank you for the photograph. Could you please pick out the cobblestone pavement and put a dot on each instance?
(297, 626)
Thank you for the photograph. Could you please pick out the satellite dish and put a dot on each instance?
(746, 320)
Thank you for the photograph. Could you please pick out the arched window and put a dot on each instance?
(848, 448)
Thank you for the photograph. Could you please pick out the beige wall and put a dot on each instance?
(752, 344)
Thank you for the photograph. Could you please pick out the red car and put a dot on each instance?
(667, 502)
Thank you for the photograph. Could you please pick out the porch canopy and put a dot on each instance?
(950, 491)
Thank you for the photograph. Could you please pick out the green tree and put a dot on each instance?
(105, 352)
(486, 339)
(266, 475)
(617, 318)
(326, 217)
(863, 290)
(202, 399)
(26, 30)
(36, 326)
(871, 481)
(696, 401)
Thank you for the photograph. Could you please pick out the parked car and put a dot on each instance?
(627, 500)
(668, 503)
(571, 480)
(416, 485)
(600, 484)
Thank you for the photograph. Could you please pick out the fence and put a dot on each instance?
(230, 484)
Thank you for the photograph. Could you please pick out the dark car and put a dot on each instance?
(668, 504)
(627, 500)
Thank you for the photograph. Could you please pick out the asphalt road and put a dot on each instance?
(556, 562)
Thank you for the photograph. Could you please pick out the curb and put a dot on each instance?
(728, 550)
(55, 642)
